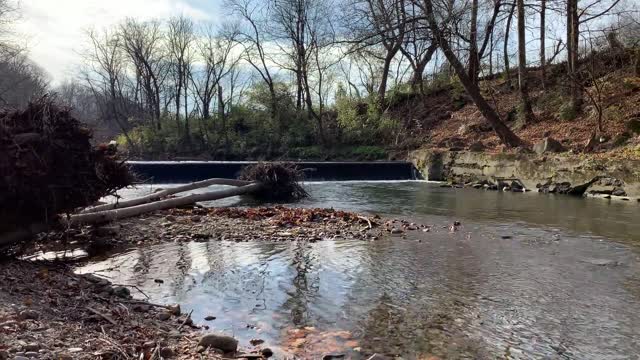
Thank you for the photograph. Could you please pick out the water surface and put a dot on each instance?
(526, 276)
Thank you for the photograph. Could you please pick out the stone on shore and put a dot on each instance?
(220, 342)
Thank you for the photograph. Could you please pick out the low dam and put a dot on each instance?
(165, 172)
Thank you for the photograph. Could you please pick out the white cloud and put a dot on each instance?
(54, 29)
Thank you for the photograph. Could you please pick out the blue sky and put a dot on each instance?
(54, 30)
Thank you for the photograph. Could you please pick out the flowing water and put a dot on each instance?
(526, 276)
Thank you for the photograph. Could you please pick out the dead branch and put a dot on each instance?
(165, 193)
(117, 214)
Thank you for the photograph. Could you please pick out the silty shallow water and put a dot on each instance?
(526, 276)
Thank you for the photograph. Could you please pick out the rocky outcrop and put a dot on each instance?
(552, 173)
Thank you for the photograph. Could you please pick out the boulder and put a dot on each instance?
(548, 145)
(221, 342)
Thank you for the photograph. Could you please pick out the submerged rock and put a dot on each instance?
(220, 342)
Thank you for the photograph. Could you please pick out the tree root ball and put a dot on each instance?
(48, 165)
(281, 180)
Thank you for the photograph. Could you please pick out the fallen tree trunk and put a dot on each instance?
(164, 193)
(117, 214)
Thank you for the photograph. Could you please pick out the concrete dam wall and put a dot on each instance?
(164, 172)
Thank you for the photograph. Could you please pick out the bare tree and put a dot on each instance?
(180, 36)
(504, 133)
(105, 75)
(526, 113)
(507, 30)
(418, 47)
(142, 42)
(379, 23)
(543, 35)
(251, 37)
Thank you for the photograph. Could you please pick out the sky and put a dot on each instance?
(54, 30)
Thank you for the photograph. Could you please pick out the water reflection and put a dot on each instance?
(451, 295)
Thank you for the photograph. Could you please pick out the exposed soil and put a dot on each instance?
(438, 121)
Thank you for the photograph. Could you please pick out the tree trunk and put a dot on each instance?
(164, 193)
(474, 61)
(526, 113)
(543, 56)
(382, 90)
(572, 53)
(112, 215)
(504, 133)
(507, 30)
(223, 119)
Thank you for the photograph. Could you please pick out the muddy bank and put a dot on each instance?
(549, 173)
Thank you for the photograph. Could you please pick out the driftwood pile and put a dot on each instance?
(48, 165)
(274, 181)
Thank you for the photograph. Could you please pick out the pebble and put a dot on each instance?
(396, 231)
(210, 318)
(20, 358)
(29, 315)
(32, 354)
(75, 350)
(266, 352)
(122, 292)
(221, 342)
(31, 347)
(163, 316)
(175, 309)
(166, 352)
(141, 308)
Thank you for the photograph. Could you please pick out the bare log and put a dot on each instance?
(164, 193)
(116, 214)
